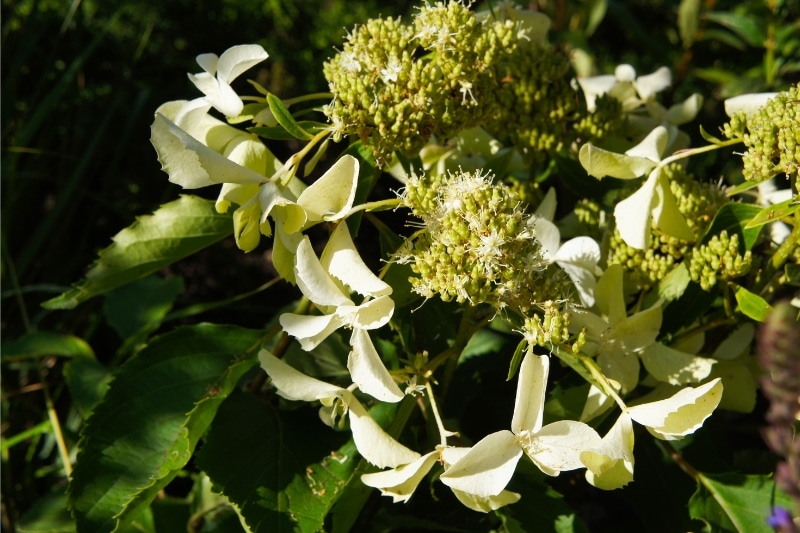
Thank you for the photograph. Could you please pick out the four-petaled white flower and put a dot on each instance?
(220, 71)
(625, 86)
(486, 468)
(610, 465)
(654, 200)
(327, 282)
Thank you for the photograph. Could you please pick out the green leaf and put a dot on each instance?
(742, 187)
(270, 467)
(516, 359)
(279, 133)
(88, 382)
(174, 231)
(745, 27)
(688, 17)
(285, 118)
(733, 218)
(46, 344)
(774, 212)
(751, 304)
(141, 304)
(736, 502)
(674, 283)
(145, 430)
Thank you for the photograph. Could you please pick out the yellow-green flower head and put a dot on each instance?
(771, 133)
(719, 258)
(396, 85)
(479, 245)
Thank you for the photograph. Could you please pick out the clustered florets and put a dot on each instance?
(479, 244)
(697, 202)
(397, 85)
(719, 258)
(772, 137)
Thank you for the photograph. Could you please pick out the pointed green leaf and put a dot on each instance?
(674, 283)
(792, 271)
(742, 25)
(708, 137)
(268, 465)
(174, 231)
(46, 344)
(143, 303)
(751, 304)
(279, 133)
(145, 430)
(285, 118)
(774, 212)
(688, 16)
(736, 502)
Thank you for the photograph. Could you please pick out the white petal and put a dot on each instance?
(625, 72)
(579, 257)
(486, 504)
(331, 196)
(310, 330)
(190, 163)
(610, 465)
(293, 384)
(368, 371)
(681, 414)
(651, 147)
(747, 103)
(594, 86)
(557, 447)
(549, 238)
(583, 279)
(238, 59)
(314, 280)
(637, 331)
(650, 84)
(401, 482)
(547, 209)
(675, 367)
(685, 111)
(374, 313)
(531, 387)
(609, 294)
(666, 214)
(621, 366)
(341, 259)
(581, 318)
(487, 468)
(208, 62)
(373, 443)
(632, 214)
(601, 163)
(597, 403)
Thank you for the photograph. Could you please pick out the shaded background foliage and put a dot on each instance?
(80, 82)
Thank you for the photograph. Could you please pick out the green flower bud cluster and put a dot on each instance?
(479, 244)
(772, 137)
(396, 85)
(718, 259)
(607, 120)
(535, 102)
(548, 329)
(698, 202)
(591, 219)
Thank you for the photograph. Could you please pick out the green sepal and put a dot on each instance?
(285, 118)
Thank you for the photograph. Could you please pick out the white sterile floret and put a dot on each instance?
(220, 71)
(327, 282)
(487, 467)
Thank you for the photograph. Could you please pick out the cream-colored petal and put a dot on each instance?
(401, 482)
(487, 468)
(610, 465)
(293, 384)
(368, 371)
(310, 330)
(488, 503)
(331, 196)
(314, 280)
(681, 414)
(557, 446)
(237, 59)
(632, 215)
(341, 259)
(675, 367)
(373, 443)
(531, 387)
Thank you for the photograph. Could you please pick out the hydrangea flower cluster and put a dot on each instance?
(482, 238)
